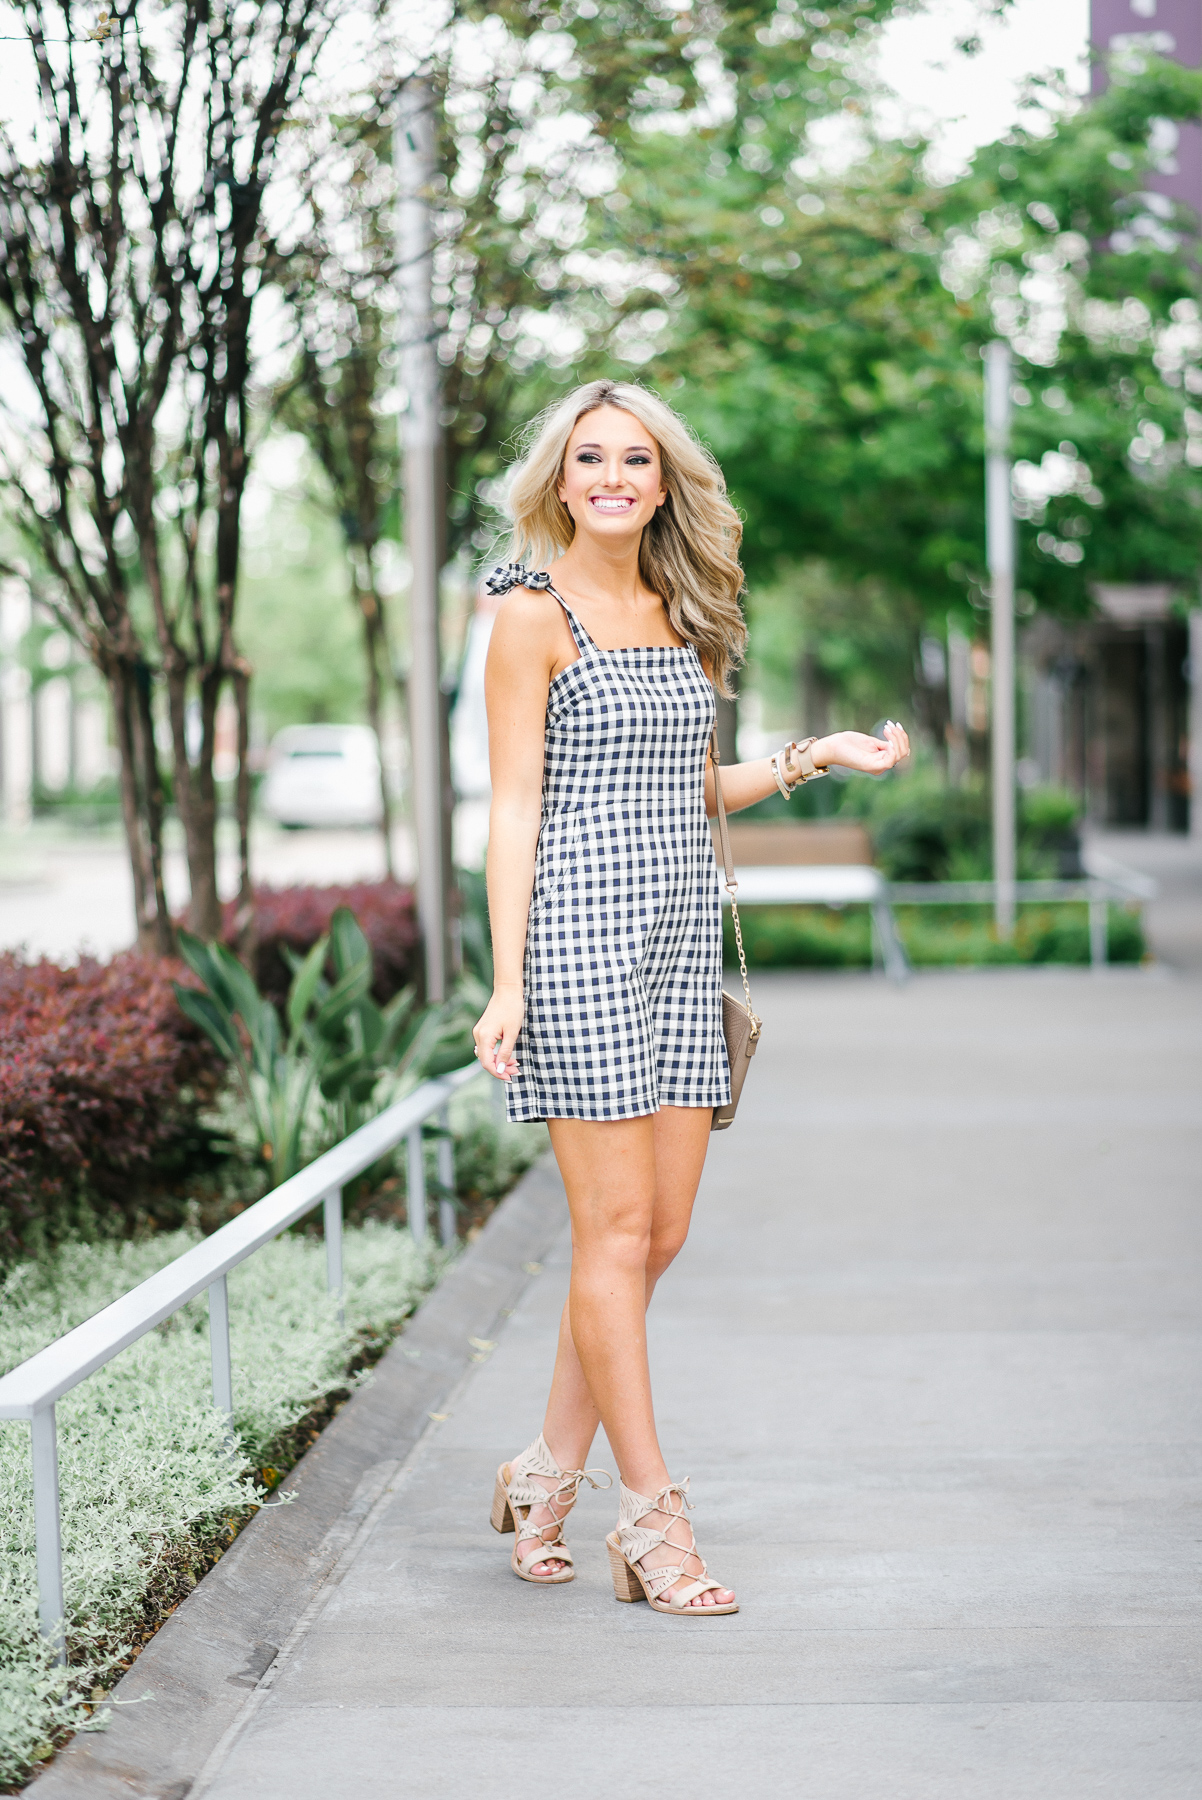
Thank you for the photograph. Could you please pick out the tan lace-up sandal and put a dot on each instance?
(632, 1541)
(514, 1497)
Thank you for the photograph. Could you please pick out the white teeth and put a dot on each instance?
(612, 505)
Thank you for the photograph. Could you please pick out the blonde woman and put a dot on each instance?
(621, 618)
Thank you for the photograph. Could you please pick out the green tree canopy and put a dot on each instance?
(825, 335)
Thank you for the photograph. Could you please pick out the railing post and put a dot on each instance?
(219, 1349)
(446, 1179)
(48, 1529)
(1098, 922)
(415, 1201)
(331, 1210)
(999, 554)
(893, 955)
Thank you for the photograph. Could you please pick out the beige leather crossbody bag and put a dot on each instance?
(740, 1026)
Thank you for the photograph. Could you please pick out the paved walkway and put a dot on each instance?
(931, 1358)
(64, 891)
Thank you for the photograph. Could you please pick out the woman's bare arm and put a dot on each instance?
(743, 784)
(522, 654)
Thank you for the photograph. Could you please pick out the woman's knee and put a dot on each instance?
(663, 1249)
(618, 1233)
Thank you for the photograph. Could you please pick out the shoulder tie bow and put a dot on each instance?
(511, 575)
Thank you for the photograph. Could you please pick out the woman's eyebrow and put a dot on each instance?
(630, 448)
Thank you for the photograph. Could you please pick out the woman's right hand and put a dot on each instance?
(497, 1030)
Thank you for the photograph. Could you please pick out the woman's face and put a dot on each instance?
(612, 478)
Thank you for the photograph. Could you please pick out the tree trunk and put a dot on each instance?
(244, 917)
(141, 801)
(152, 802)
(199, 846)
(375, 649)
(118, 678)
(204, 911)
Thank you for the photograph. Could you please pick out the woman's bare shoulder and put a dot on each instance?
(528, 624)
(529, 606)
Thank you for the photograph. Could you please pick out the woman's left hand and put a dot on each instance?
(856, 750)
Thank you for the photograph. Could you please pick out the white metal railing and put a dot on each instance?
(1096, 892)
(856, 884)
(31, 1390)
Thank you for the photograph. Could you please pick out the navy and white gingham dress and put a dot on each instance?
(624, 943)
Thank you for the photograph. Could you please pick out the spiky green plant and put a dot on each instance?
(338, 1047)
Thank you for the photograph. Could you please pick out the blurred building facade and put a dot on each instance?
(1171, 28)
(1111, 710)
(1113, 705)
(54, 719)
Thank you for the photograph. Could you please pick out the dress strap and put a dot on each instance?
(580, 636)
(511, 575)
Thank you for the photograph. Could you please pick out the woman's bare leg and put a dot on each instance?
(680, 1137)
(631, 1186)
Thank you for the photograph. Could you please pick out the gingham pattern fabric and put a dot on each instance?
(624, 944)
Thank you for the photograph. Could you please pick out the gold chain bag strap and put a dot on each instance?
(740, 1026)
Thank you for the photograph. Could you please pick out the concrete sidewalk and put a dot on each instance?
(931, 1358)
(1173, 921)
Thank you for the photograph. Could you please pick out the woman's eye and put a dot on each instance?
(588, 456)
(640, 460)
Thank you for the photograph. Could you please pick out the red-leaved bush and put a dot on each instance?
(295, 917)
(102, 1079)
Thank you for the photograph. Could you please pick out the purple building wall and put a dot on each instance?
(1172, 28)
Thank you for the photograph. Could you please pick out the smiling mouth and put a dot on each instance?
(611, 503)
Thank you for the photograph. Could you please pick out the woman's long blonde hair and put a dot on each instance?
(689, 555)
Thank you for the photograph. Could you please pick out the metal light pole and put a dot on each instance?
(959, 668)
(999, 550)
(414, 163)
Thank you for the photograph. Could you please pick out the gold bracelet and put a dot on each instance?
(804, 757)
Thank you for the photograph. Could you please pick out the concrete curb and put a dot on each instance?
(202, 1668)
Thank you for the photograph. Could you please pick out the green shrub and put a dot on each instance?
(926, 832)
(936, 936)
(490, 1154)
(288, 922)
(82, 809)
(939, 835)
(336, 1059)
(820, 937)
(811, 937)
(1049, 834)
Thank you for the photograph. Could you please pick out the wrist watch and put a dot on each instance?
(794, 766)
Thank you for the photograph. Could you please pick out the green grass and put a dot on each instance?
(825, 937)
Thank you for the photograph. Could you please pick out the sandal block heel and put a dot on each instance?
(515, 1497)
(667, 1588)
(627, 1585)
(501, 1518)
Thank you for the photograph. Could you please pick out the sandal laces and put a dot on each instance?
(569, 1489)
(664, 1577)
(680, 1488)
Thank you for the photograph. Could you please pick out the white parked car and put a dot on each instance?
(323, 775)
